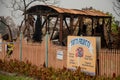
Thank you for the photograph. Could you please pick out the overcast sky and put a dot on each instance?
(103, 5)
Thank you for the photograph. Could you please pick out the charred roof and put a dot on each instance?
(53, 10)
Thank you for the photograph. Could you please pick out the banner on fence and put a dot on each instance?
(10, 47)
(60, 55)
(82, 52)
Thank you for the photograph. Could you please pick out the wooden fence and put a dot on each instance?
(35, 53)
(109, 60)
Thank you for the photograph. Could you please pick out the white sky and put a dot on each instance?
(103, 5)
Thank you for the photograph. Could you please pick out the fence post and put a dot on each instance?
(97, 62)
(46, 50)
(21, 46)
(98, 47)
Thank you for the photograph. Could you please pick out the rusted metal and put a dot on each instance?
(49, 9)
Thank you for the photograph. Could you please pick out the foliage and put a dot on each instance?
(7, 77)
(115, 33)
(42, 73)
(114, 25)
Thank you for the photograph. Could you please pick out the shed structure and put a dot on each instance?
(70, 19)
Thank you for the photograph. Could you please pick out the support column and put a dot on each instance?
(92, 26)
(54, 28)
(80, 25)
(61, 28)
(71, 24)
(109, 33)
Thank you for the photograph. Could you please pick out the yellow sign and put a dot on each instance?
(82, 52)
(10, 47)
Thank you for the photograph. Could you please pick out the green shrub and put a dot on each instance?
(42, 73)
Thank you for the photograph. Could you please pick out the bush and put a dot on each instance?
(42, 73)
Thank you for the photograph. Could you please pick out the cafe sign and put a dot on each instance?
(82, 53)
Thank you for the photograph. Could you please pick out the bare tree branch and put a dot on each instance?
(10, 32)
(116, 12)
(22, 5)
(116, 7)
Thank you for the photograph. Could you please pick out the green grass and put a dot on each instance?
(7, 77)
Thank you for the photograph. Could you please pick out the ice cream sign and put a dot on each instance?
(82, 52)
(81, 41)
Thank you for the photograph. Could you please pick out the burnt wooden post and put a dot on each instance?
(76, 25)
(67, 26)
(45, 21)
(80, 25)
(46, 24)
(61, 28)
(37, 36)
(103, 31)
(92, 26)
(54, 28)
(109, 32)
(71, 24)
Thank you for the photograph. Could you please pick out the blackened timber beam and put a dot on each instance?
(71, 24)
(109, 33)
(61, 29)
(47, 24)
(107, 24)
(104, 31)
(103, 24)
(80, 24)
(44, 21)
(54, 29)
(67, 26)
(76, 24)
(25, 29)
(92, 26)
(110, 25)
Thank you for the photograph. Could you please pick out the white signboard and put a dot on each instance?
(82, 52)
(60, 55)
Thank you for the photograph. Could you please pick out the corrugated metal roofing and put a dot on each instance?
(54, 9)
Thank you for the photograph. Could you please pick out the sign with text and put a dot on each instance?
(60, 55)
(82, 52)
